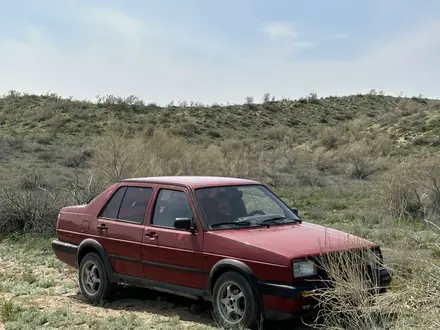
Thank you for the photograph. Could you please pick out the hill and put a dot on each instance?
(50, 115)
(309, 143)
(368, 164)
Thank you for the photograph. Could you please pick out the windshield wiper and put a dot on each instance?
(235, 223)
(277, 218)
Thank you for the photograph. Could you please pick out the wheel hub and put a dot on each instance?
(231, 302)
(91, 278)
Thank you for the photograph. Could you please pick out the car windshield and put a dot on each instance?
(242, 206)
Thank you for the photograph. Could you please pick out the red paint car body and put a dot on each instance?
(135, 247)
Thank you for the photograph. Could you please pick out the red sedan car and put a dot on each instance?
(229, 241)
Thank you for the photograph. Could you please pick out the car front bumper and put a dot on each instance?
(283, 301)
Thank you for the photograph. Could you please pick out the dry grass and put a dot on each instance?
(412, 190)
(348, 304)
(366, 164)
(38, 291)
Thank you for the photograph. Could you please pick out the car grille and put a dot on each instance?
(348, 266)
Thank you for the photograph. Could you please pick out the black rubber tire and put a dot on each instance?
(252, 310)
(106, 288)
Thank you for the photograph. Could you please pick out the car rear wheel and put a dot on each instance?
(93, 279)
(234, 302)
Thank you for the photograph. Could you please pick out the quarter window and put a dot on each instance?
(111, 209)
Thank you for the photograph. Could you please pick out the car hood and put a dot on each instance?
(294, 241)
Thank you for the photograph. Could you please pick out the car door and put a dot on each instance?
(177, 258)
(120, 226)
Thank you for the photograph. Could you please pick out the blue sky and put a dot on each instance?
(219, 51)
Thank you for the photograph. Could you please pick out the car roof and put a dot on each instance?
(194, 182)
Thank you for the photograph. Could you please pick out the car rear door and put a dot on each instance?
(120, 226)
(175, 257)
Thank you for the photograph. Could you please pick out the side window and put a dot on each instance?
(111, 209)
(135, 204)
(128, 204)
(170, 204)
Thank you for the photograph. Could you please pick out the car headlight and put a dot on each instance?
(304, 268)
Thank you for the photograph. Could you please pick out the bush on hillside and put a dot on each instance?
(28, 210)
(330, 137)
(30, 204)
(160, 153)
(412, 190)
(360, 164)
(83, 187)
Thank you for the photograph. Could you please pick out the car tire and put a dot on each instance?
(235, 304)
(93, 279)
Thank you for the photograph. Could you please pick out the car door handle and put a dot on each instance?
(102, 227)
(152, 235)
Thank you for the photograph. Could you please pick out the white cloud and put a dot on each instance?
(127, 56)
(285, 42)
(113, 21)
(279, 30)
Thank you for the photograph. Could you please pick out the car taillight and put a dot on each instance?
(58, 220)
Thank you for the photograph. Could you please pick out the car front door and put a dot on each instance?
(177, 257)
(120, 227)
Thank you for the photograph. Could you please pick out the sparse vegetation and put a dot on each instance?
(367, 164)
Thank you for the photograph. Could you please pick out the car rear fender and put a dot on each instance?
(91, 245)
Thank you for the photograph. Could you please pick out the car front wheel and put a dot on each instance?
(234, 302)
(93, 279)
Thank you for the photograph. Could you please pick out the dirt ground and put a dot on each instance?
(38, 291)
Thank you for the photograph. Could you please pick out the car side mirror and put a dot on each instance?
(184, 224)
(295, 210)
